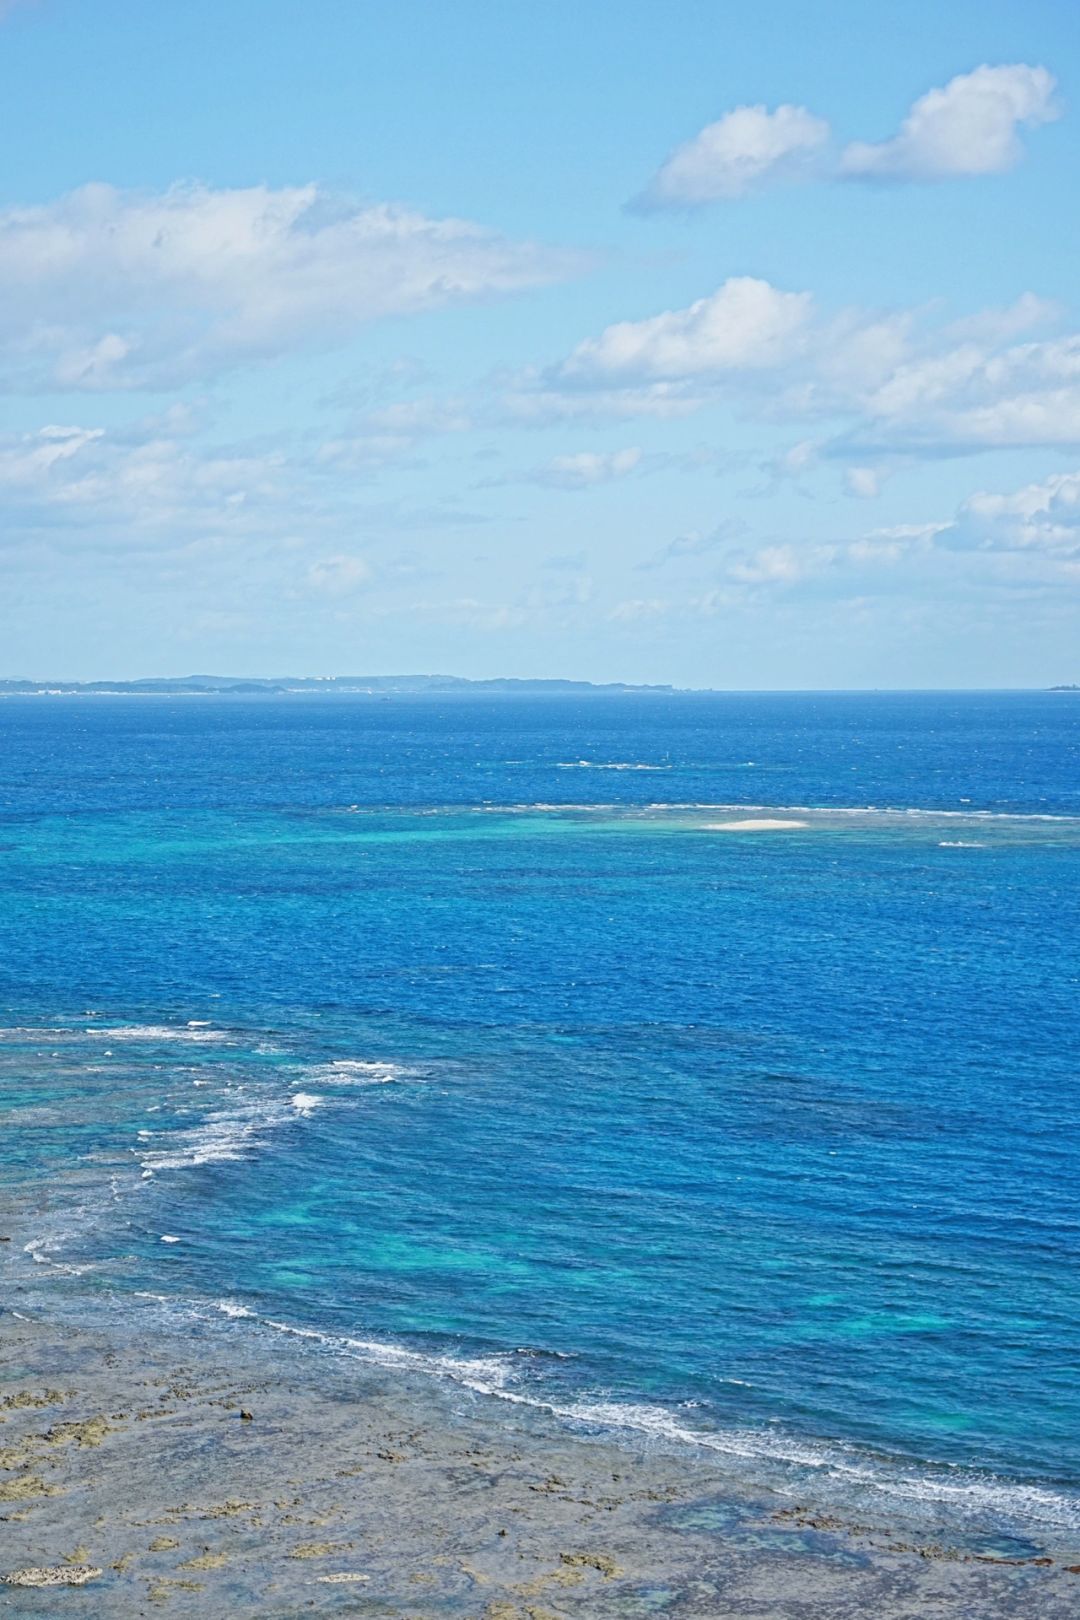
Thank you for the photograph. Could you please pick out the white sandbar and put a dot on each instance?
(754, 824)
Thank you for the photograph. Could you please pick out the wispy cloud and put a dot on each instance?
(695, 543)
(106, 289)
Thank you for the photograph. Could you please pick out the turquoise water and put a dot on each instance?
(516, 1041)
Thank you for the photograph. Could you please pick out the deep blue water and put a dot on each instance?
(419, 1024)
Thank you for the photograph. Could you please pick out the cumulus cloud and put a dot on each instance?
(1038, 518)
(107, 289)
(969, 127)
(741, 151)
(976, 396)
(905, 385)
(745, 325)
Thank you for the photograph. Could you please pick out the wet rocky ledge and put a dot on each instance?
(144, 1475)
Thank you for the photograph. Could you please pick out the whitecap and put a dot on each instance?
(305, 1102)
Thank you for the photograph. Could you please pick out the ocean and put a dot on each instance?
(702, 1069)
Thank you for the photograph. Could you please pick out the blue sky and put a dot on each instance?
(705, 343)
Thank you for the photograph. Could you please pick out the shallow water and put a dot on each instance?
(697, 1100)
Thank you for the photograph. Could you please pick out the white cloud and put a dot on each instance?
(746, 325)
(110, 289)
(904, 385)
(538, 399)
(993, 326)
(741, 151)
(974, 396)
(587, 468)
(970, 127)
(148, 487)
(773, 565)
(1039, 518)
(1024, 541)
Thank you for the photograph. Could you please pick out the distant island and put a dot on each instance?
(369, 685)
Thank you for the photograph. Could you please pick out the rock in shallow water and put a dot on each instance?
(60, 1575)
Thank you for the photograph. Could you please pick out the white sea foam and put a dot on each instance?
(358, 1072)
(960, 843)
(41, 1250)
(487, 1375)
(225, 1135)
(235, 1131)
(823, 811)
(201, 1034)
(603, 765)
(305, 1102)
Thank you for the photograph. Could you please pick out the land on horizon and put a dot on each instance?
(390, 685)
(377, 685)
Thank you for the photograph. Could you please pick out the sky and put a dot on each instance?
(707, 343)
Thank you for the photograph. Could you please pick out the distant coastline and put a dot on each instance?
(282, 685)
(373, 686)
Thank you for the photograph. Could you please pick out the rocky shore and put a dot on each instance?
(188, 1477)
